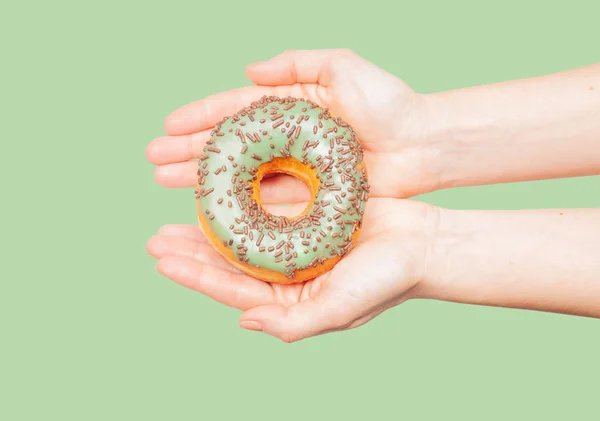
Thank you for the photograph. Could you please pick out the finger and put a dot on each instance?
(274, 190)
(378, 210)
(182, 174)
(350, 293)
(192, 232)
(231, 289)
(308, 318)
(160, 246)
(204, 114)
(172, 149)
(286, 210)
(283, 188)
(296, 66)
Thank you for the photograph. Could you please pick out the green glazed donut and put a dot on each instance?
(296, 137)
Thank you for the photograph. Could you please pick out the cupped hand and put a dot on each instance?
(383, 270)
(389, 118)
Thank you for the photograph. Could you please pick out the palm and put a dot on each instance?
(375, 276)
(380, 107)
(388, 260)
(372, 101)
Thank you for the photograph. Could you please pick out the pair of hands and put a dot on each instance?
(390, 260)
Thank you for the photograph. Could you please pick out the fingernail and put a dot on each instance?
(250, 325)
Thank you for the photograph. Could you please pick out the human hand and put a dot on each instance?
(383, 270)
(389, 118)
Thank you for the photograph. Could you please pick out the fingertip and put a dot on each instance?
(267, 317)
(258, 72)
(165, 175)
(251, 68)
(151, 246)
(251, 325)
(159, 174)
(150, 152)
(159, 266)
(191, 232)
(177, 175)
(173, 123)
(153, 151)
(263, 314)
(170, 229)
(166, 267)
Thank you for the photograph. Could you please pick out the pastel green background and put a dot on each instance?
(89, 330)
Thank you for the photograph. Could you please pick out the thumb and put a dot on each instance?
(308, 318)
(298, 66)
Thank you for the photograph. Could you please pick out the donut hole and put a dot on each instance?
(292, 184)
(287, 188)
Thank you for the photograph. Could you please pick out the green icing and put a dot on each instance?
(327, 231)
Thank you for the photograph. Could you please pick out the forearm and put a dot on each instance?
(539, 128)
(542, 260)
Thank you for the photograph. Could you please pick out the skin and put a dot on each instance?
(543, 127)
(381, 272)
(531, 129)
(540, 260)
(381, 108)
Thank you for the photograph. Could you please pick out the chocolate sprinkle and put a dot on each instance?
(268, 241)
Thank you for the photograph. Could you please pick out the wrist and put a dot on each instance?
(418, 138)
(415, 228)
(442, 137)
(447, 235)
(467, 133)
(431, 136)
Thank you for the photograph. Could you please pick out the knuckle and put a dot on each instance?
(341, 322)
(294, 68)
(288, 337)
(340, 59)
(191, 147)
(304, 88)
(205, 111)
(289, 333)
(238, 298)
(345, 52)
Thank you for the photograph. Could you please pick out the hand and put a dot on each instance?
(389, 118)
(382, 271)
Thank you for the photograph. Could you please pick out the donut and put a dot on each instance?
(291, 136)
